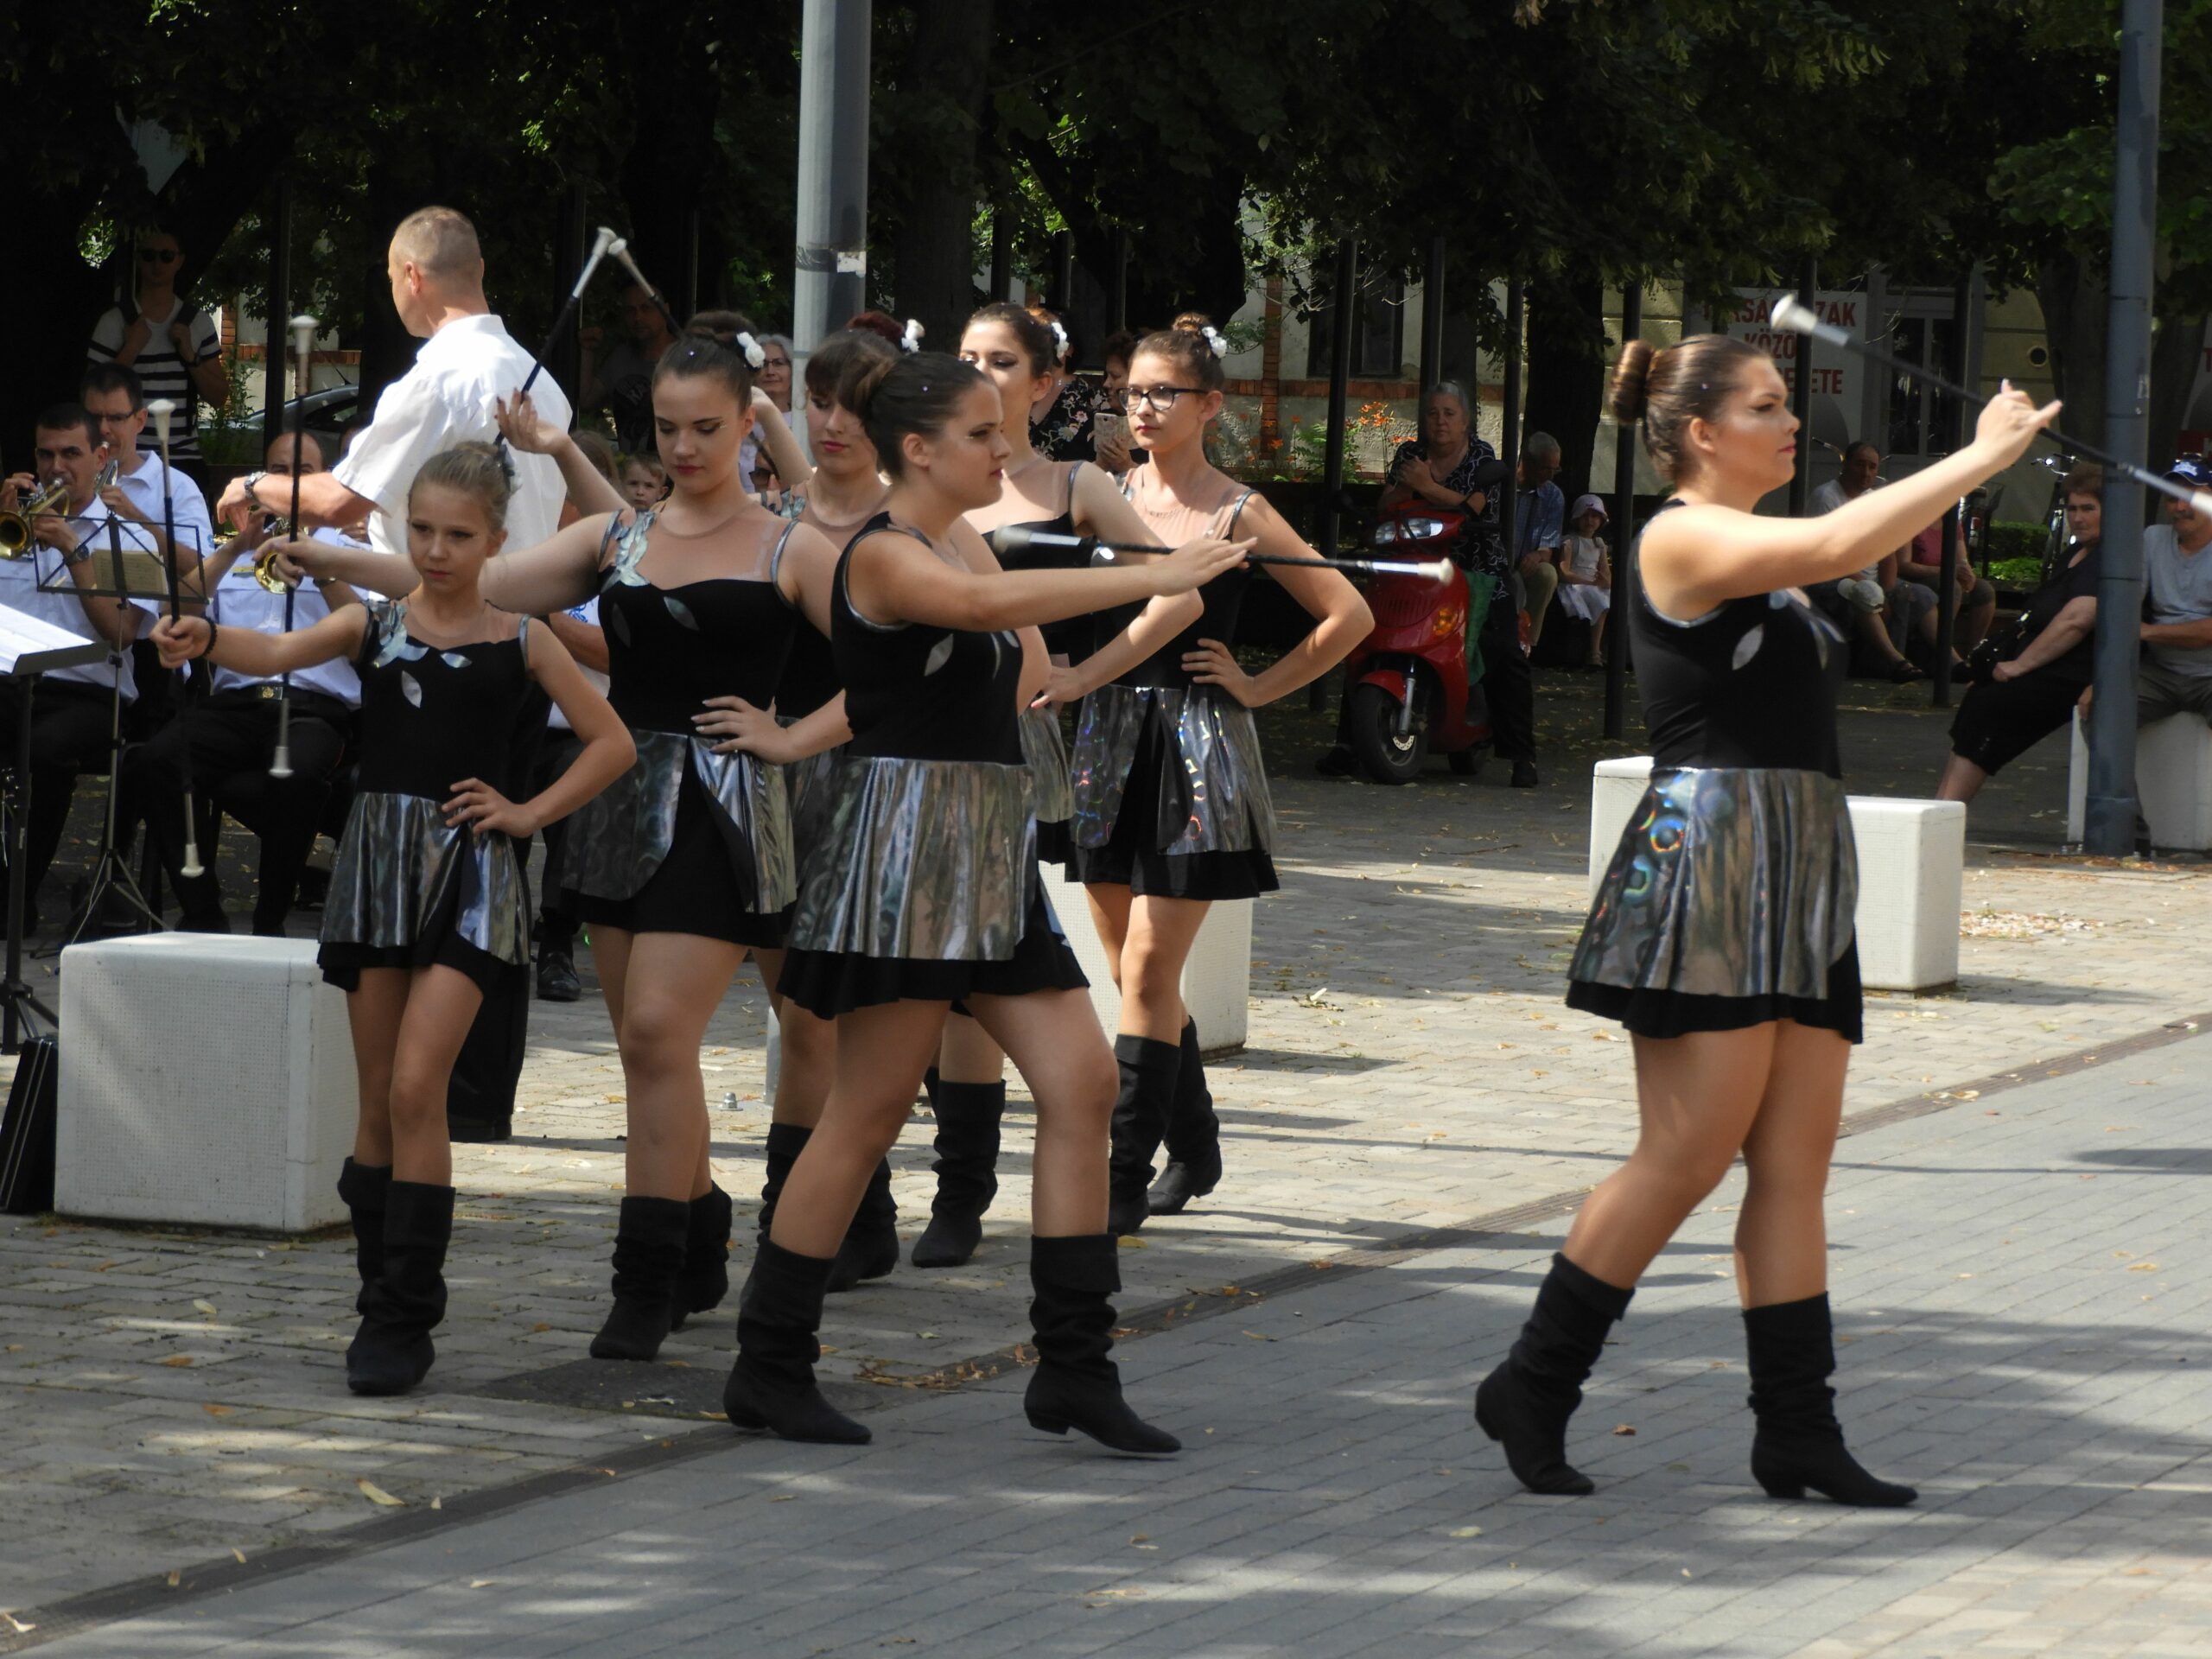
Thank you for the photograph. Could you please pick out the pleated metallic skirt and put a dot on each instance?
(1727, 882)
(813, 786)
(923, 859)
(401, 875)
(1047, 750)
(1211, 797)
(619, 838)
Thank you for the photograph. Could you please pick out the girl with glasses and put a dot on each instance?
(1172, 808)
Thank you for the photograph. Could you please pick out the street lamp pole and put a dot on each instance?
(830, 281)
(2109, 821)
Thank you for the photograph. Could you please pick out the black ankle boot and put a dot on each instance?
(1193, 1138)
(786, 1143)
(771, 1385)
(1525, 1403)
(362, 1189)
(1075, 1384)
(1798, 1443)
(705, 1278)
(392, 1351)
(648, 1257)
(871, 1246)
(967, 1172)
(1149, 1070)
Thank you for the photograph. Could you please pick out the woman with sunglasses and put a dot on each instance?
(1172, 810)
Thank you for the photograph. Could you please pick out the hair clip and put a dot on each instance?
(1060, 339)
(1213, 338)
(754, 357)
(912, 340)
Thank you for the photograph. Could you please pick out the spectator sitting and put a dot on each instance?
(644, 481)
(1859, 603)
(1921, 564)
(2044, 667)
(172, 346)
(2176, 670)
(1540, 520)
(1585, 575)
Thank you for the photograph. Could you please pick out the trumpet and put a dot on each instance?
(15, 522)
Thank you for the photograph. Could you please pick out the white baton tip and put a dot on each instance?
(1438, 569)
(1792, 313)
(2200, 501)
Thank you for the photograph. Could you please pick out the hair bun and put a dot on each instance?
(1631, 382)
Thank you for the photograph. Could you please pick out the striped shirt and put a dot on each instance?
(160, 369)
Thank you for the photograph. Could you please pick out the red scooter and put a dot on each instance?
(1406, 688)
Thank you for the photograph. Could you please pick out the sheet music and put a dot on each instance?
(30, 645)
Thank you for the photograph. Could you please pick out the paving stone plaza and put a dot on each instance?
(2018, 1215)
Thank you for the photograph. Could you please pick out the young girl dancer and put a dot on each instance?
(1172, 810)
(686, 865)
(927, 895)
(1721, 936)
(427, 897)
(1018, 353)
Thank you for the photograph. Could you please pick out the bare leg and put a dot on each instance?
(1782, 1246)
(671, 984)
(1158, 943)
(1110, 914)
(441, 1005)
(1696, 1098)
(1053, 1038)
(1963, 779)
(373, 1012)
(968, 1054)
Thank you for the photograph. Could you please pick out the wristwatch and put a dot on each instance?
(77, 555)
(250, 483)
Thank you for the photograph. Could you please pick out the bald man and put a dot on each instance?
(468, 362)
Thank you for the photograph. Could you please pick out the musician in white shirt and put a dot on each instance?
(468, 362)
(72, 711)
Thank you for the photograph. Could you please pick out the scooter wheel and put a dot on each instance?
(1386, 754)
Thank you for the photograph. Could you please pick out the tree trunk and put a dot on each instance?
(663, 173)
(935, 271)
(1567, 353)
(2075, 301)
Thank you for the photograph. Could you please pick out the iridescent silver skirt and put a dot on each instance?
(1213, 798)
(1727, 882)
(401, 874)
(1046, 752)
(923, 859)
(812, 785)
(619, 838)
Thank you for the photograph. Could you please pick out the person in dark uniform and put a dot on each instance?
(428, 905)
(1172, 806)
(926, 895)
(1721, 935)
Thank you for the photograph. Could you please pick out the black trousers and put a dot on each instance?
(1508, 686)
(230, 739)
(557, 921)
(71, 723)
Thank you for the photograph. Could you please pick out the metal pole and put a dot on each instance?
(2110, 820)
(1344, 297)
(1001, 256)
(830, 279)
(1801, 400)
(1509, 449)
(1431, 317)
(1625, 441)
(279, 307)
(1946, 579)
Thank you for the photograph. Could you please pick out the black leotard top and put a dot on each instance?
(1071, 637)
(810, 674)
(432, 715)
(922, 693)
(1744, 685)
(1223, 598)
(669, 649)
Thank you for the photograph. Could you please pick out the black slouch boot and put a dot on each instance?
(1525, 1403)
(1798, 1443)
(1076, 1385)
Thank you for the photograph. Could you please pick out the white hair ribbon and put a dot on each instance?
(1213, 338)
(754, 357)
(912, 340)
(1060, 339)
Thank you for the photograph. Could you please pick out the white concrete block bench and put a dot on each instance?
(205, 1078)
(1912, 874)
(2173, 782)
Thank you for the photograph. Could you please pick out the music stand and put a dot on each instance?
(132, 573)
(30, 646)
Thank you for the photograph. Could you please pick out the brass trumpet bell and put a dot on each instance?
(15, 522)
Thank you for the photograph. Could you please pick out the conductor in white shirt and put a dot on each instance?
(72, 708)
(468, 362)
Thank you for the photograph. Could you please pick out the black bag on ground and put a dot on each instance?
(27, 1131)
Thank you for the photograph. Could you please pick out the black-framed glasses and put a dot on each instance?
(1160, 398)
(158, 255)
